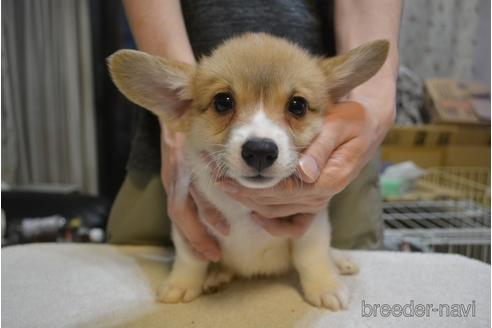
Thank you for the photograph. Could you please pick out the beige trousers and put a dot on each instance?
(138, 215)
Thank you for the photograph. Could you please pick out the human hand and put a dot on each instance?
(350, 137)
(185, 205)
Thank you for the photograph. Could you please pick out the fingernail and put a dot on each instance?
(309, 167)
(227, 187)
(212, 256)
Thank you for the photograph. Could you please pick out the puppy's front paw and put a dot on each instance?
(179, 291)
(329, 294)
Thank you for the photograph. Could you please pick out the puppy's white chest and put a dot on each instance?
(248, 249)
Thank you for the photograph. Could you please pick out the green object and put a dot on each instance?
(75, 223)
(391, 188)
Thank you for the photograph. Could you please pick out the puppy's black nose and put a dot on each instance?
(259, 153)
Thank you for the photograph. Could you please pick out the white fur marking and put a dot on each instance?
(261, 126)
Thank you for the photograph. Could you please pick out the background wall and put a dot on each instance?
(48, 127)
(447, 38)
(482, 56)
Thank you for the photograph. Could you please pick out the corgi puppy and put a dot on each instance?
(253, 105)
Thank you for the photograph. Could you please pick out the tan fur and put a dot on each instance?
(158, 84)
(355, 67)
(251, 66)
(262, 73)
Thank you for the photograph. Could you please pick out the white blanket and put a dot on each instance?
(81, 285)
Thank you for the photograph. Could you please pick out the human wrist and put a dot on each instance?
(380, 108)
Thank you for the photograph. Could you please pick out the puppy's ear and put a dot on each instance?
(158, 84)
(346, 71)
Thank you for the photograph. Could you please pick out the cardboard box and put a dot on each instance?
(462, 102)
(438, 145)
(423, 157)
(467, 156)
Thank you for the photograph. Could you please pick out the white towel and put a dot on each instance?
(81, 285)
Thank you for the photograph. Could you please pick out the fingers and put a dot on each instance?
(293, 227)
(282, 190)
(269, 210)
(208, 213)
(278, 207)
(314, 158)
(186, 219)
(181, 206)
(287, 199)
(343, 166)
(341, 124)
(234, 188)
(282, 211)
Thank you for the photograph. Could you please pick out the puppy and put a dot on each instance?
(253, 105)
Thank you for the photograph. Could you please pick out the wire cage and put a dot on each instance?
(449, 212)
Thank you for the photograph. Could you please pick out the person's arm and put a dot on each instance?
(352, 132)
(372, 104)
(158, 28)
(359, 21)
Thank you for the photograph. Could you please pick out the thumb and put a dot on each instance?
(338, 127)
(314, 158)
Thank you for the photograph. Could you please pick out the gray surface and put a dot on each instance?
(100, 285)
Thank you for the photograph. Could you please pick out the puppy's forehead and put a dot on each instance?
(260, 64)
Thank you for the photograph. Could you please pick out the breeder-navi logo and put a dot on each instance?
(413, 309)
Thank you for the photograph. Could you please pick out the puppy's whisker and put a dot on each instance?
(221, 172)
(210, 164)
(297, 178)
(217, 145)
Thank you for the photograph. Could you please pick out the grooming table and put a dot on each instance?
(83, 285)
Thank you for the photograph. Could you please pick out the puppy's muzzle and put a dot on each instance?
(259, 153)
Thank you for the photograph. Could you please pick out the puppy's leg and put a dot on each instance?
(344, 264)
(218, 278)
(185, 281)
(318, 274)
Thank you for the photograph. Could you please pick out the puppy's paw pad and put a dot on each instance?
(333, 297)
(347, 267)
(217, 280)
(176, 294)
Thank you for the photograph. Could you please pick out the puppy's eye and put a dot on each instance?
(297, 106)
(223, 102)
